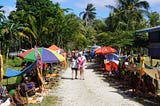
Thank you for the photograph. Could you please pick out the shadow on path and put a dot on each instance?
(92, 65)
(121, 88)
(66, 78)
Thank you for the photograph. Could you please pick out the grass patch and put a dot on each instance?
(12, 80)
(47, 101)
(13, 63)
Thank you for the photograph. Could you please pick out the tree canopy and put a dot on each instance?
(43, 23)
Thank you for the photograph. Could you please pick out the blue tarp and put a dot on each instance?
(113, 56)
(13, 73)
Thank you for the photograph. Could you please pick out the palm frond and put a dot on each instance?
(28, 30)
(23, 35)
(143, 4)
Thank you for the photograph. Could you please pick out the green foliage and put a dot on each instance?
(140, 40)
(16, 62)
(126, 15)
(122, 39)
(81, 42)
(45, 23)
(154, 19)
(116, 39)
(103, 38)
(42, 23)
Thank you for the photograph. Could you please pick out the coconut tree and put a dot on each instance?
(154, 19)
(2, 17)
(89, 14)
(27, 23)
(11, 36)
(129, 12)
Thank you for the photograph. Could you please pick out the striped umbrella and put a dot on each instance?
(47, 55)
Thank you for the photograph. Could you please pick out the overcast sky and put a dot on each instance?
(78, 6)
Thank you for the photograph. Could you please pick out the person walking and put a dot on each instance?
(82, 64)
(74, 66)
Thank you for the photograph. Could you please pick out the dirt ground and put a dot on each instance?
(93, 91)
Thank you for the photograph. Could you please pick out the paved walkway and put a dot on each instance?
(92, 91)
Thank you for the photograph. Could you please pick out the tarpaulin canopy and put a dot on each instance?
(13, 73)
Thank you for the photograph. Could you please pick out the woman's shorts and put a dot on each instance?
(74, 69)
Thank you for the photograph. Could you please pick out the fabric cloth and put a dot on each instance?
(6, 103)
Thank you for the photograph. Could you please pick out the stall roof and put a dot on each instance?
(152, 29)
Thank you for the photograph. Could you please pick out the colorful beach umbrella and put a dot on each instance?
(47, 55)
(105, 50)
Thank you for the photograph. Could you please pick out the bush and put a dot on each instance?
(16, 62)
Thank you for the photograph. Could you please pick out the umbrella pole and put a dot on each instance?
(40, 77)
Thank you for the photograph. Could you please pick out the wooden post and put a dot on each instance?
(151, 62)
(155, 83)
(141, 67)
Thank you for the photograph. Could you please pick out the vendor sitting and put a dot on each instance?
(5, 98)
(27, 88)
(16, 97)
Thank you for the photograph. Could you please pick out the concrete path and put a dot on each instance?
(92, 91)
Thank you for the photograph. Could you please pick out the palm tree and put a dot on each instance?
(28, 25)
(129, 12)
(89, 14)
(2, 17)
(154, 19)
(11, 36)
(129, 5)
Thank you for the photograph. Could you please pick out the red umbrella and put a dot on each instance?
(105, 50)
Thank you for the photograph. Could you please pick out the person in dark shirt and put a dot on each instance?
(138, 58)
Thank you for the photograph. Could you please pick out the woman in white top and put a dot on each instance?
(74, 66)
